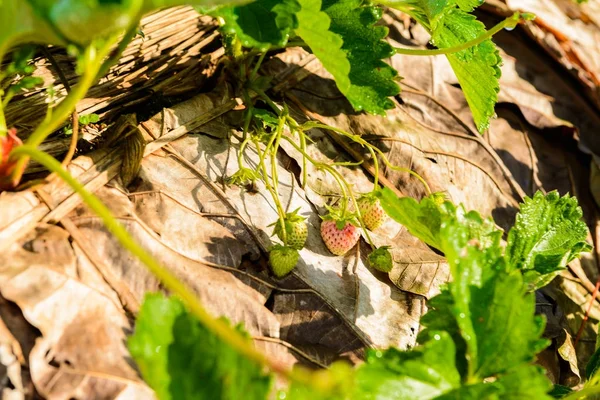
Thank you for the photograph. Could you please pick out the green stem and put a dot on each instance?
(257, 66)
(129, 35)
(249, 113)
(91, 62)
(303, 147)
(5, 102)
(319, 165)
(274, 195)
(267, 100)
(274, 173)
(508, 22)
(362, 142)
(223, 331)
(3, 126)
(402, 169)
(240, 156)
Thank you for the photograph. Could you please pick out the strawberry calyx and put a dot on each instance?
(290, 218)
(371, 197)
(7, 144)
(340, 216)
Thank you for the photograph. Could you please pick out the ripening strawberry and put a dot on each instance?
(7, 143)
(371, 211)
(283, 259)
(339, 236)
(296, 230)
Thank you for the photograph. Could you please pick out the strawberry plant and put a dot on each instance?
(480, 336)
(465, 350)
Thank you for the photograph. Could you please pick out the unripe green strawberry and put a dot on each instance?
(371, 211)
(381, 259)
(296, 230)
(439, 198)
(283, 259)
(339, 236)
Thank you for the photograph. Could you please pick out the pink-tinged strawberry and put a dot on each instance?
(381, 259)
(339, 235)
(7, 143)
(283, 259)
(296, 230)
(371, 211)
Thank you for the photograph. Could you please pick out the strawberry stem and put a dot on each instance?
(509, 22)
(359, 140)
(303, 147)
(263, 168)
(3, 126)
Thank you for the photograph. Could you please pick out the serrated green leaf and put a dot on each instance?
(547, 235)
(341, 33)
(422, 373)
(484, 293)
(181, 359)
(492, 308)
(476, 68)
(314, 29)
(371, 79)
(262, 23)
(468, 5)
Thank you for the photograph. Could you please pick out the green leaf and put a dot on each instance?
(371, 79)
(422, 373)
(476, 68)
(492, 308)
(20, 23)
(468, 5)
(181, 359)
(341, 33)
(422, 220)
(560, 391)
(262, 23)
(593, 365)
(525, 382)
(547, 235)
(314, 29)
(472, 392)
(334, 383)
(63, 22)
(149, 345)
